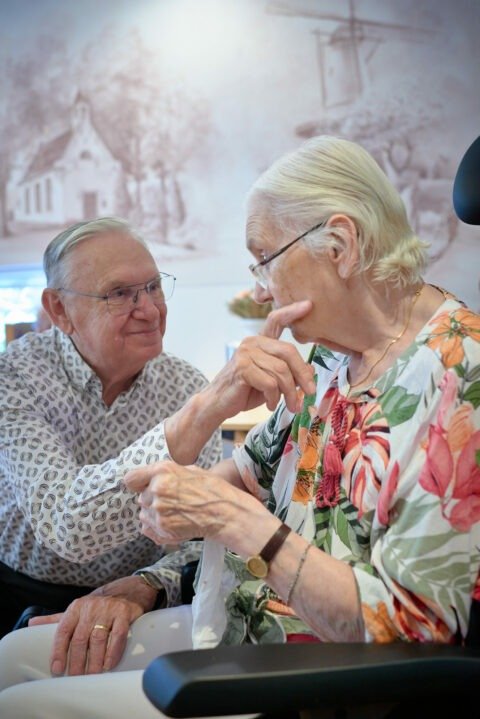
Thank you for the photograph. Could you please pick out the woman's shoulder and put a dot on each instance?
(453, 333)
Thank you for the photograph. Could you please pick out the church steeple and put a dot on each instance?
(80, 111)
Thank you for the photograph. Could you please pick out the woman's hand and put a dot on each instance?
(92, 633)
(179, 503)
(263, 368)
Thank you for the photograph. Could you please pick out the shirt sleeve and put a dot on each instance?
(77, 510)
(167, 572)
(258, 458)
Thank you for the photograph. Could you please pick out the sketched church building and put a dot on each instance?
(72, 177)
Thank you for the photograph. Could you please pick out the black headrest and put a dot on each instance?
(466, 187)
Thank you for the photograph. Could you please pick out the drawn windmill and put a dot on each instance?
(344, 52)
(345, 46)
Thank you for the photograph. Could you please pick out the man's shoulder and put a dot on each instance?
(175, 367)
(29, 351)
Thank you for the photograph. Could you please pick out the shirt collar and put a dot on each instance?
(80, 373)
(76, 369)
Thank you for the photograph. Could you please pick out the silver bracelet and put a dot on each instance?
(297, 574)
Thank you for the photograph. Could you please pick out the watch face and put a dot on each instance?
(257, 566)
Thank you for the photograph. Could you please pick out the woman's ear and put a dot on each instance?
(54, 307)
(344, 254)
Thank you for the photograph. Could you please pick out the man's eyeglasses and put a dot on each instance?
(122, 300)
(258, 270)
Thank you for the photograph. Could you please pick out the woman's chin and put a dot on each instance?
(299, 336)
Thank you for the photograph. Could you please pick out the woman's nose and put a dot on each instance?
(261, 294)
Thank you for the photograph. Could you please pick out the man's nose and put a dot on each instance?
(143, 301)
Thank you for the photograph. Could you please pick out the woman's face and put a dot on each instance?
(295, 275)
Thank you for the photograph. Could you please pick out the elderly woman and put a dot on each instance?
(352, 514)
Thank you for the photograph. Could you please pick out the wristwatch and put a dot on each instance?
(161, 598)
(258, 564)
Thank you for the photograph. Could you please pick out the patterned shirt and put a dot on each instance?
(387, 480)
(65, 515)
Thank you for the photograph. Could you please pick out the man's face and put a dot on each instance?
(115, 346)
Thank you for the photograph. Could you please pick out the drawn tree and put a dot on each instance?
(153, 127)
(34, 91)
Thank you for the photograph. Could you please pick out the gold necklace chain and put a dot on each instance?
(392, 342)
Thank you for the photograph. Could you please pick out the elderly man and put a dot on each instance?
(81, 404)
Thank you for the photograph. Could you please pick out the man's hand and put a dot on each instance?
(81, 648)
(262, 369)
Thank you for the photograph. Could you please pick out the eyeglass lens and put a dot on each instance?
(123, 299)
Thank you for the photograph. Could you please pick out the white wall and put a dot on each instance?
(200, 325)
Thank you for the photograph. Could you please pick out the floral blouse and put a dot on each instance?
(386, 479)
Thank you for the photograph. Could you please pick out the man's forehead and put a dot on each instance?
(113, 260)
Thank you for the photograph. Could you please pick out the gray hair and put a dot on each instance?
(326, 176)
(54, 264)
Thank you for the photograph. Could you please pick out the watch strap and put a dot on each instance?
(275, 542)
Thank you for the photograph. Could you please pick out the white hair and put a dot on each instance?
(54, 265)
(326, 176)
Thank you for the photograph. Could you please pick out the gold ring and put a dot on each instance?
(101, 626)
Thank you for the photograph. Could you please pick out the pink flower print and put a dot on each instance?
(449, 388)
(389, 487)
(467, 486)
(437, 471)
(442, 466)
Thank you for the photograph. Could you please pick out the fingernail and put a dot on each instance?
(57, 668)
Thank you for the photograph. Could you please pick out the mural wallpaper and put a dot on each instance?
(165, 111)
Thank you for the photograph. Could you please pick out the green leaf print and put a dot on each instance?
(342, 526)
(398, 405)
(411, 514)
(429, 544)
(437, 570)
(473, 374)
(266, 629)
(321, 354)
(322, 522)
(460, 370)
(302, 419)
(473, 395)
(236, 629)
(388, 379)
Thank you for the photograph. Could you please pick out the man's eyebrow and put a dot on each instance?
(119, 283)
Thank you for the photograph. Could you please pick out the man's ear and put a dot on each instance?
(54, 307)
(345, 254)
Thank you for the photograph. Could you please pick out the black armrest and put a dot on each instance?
(278, 678)
(29, 612)
(466, 190)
